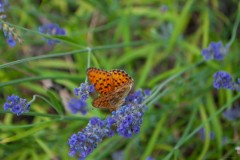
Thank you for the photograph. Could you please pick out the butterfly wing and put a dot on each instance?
(114, 99)
(113, 87)
(120, 78)
(101, 79)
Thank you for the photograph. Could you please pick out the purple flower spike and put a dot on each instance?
(83, 91)
(129, 117)
(202, 134)
(126, 121)
(223, 80)
(216, 51)
(232, 113)
(77, 105)
(16, 105)
(83, 143)
(52, 29)
(11, 42)
(9, 31)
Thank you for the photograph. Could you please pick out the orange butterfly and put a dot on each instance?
(113, 86)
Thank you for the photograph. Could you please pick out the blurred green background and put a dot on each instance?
(150, 40)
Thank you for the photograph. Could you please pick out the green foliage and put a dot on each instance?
(158, 43)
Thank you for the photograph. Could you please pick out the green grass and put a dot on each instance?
(160, 49)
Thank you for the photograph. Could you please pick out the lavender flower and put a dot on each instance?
(126, 121)
(136, 97)
(83, 91)
(216, 51)
(77, 105)
(223, 80)
(129, 117)
(3, 5)
(147, 92)
(83, 143)
(202, 134)
(11, 36)
(232, 113)
(150, 158)
(16, 105)
(52, 29)
(9, 33)
(11, 42)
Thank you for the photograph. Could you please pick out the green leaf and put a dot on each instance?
(55, 100)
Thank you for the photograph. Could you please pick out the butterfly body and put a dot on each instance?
(113, 86)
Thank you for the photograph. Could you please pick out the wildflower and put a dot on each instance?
(223, 80)
(126, 121)
(52, 29)
(129, 117)
(202, 134)
(16, 105)
(9, 33)
(150, 158)
(147, 92)
(216, 51)
(232, 113)
(77, 105)
(83, 143)
(11, 42)
(136, 97)
(3, 5)
(83, 91)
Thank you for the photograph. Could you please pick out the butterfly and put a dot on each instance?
(113, 86)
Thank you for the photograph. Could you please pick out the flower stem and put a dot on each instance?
(98, 48)
(89, 57)
(41, 97)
